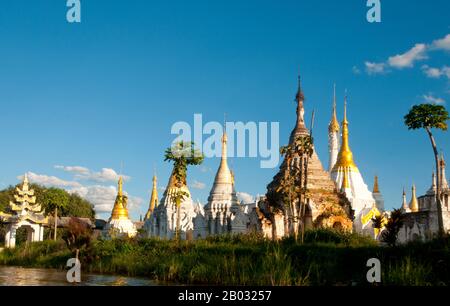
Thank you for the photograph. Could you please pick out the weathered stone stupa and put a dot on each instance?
(326, 207)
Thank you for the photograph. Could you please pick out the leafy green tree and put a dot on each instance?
(182, 154)
(54, 199)
(428, 117)
(78, 207)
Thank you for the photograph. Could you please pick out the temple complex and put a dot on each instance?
(421, 214)
(119, 224)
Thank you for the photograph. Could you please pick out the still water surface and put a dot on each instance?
(17, 276)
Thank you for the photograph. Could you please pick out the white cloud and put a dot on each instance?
(410, 57)
(49, 181)
(74, 169)
(434, 100)
(198, 185)
(442, 44)
(245, 197)
(105, 175)
(103, 197)
(431, 72)
(375, 68)
(83, 173)
(436, 73)
(407, 59)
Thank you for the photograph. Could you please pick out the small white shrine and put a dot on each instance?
(25, 212)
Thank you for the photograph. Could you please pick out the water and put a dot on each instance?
(17, 276)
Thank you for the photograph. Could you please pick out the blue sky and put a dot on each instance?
(106, 92)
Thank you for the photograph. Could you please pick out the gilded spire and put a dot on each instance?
(120, 193)
(333, 127)
(376, 188)
(345, 156)
(414, 205)
(153, 198)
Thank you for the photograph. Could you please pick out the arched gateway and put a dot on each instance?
(24, 213)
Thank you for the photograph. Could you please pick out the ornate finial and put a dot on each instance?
(25, 179)
(333, 127)
(345, 156)
(299, 97)
(345, 106)
(120, 189)
(376, 188)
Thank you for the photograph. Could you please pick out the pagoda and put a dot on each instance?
(25, 212)
(223, 213)
(153, 199)
(119, 223)
(349, 180)
(326, 207)
(163, 221)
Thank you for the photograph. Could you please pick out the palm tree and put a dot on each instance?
(429, 116)
(182, 154)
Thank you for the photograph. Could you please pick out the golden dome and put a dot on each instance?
(345, 156)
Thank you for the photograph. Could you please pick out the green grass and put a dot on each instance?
(326, 258)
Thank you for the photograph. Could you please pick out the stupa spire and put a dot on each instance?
(223, 175)
(334, 124)
(414, 204)
(153, 199)
(300, 128)
(376, 188)
(345, 156)
(444, 183)
(405, 206)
